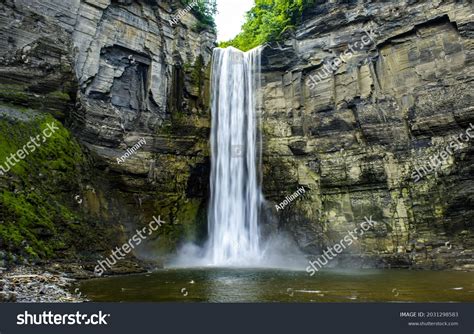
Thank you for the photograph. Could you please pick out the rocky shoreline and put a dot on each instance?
(37, 285)
(53, 282)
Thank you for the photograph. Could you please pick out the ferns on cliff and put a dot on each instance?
(267, 21)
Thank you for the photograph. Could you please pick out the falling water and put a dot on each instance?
(235, 190)
(236, 196)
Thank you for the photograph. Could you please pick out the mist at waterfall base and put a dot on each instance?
(236, 198)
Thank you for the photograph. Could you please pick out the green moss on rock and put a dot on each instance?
(33, 219)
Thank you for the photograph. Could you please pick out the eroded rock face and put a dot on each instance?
(117, 72)
(355, 136)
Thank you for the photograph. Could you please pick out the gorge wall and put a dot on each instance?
(108, 73)
(355, 138)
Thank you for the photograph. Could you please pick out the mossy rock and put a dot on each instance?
(33, 216)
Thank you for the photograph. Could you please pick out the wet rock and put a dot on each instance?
(370, 123)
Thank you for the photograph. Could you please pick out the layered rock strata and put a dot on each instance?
(114, 73)
(356, 127)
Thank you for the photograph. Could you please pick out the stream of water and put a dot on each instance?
(236, 198)
(234, 238)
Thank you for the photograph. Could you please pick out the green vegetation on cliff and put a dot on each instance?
(267, 21)
(32, 218)
(204, 11)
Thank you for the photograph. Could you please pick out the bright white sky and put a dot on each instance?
(230, 17)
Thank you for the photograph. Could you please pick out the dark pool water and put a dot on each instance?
(263, 285)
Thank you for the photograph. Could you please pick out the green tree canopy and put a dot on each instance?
(205, 10)
(267, 21)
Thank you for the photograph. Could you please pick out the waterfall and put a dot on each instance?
(236, 197)
(234, 238)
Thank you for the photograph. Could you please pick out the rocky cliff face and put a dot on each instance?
(355, 135)
(354, 130)
(113, 73)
